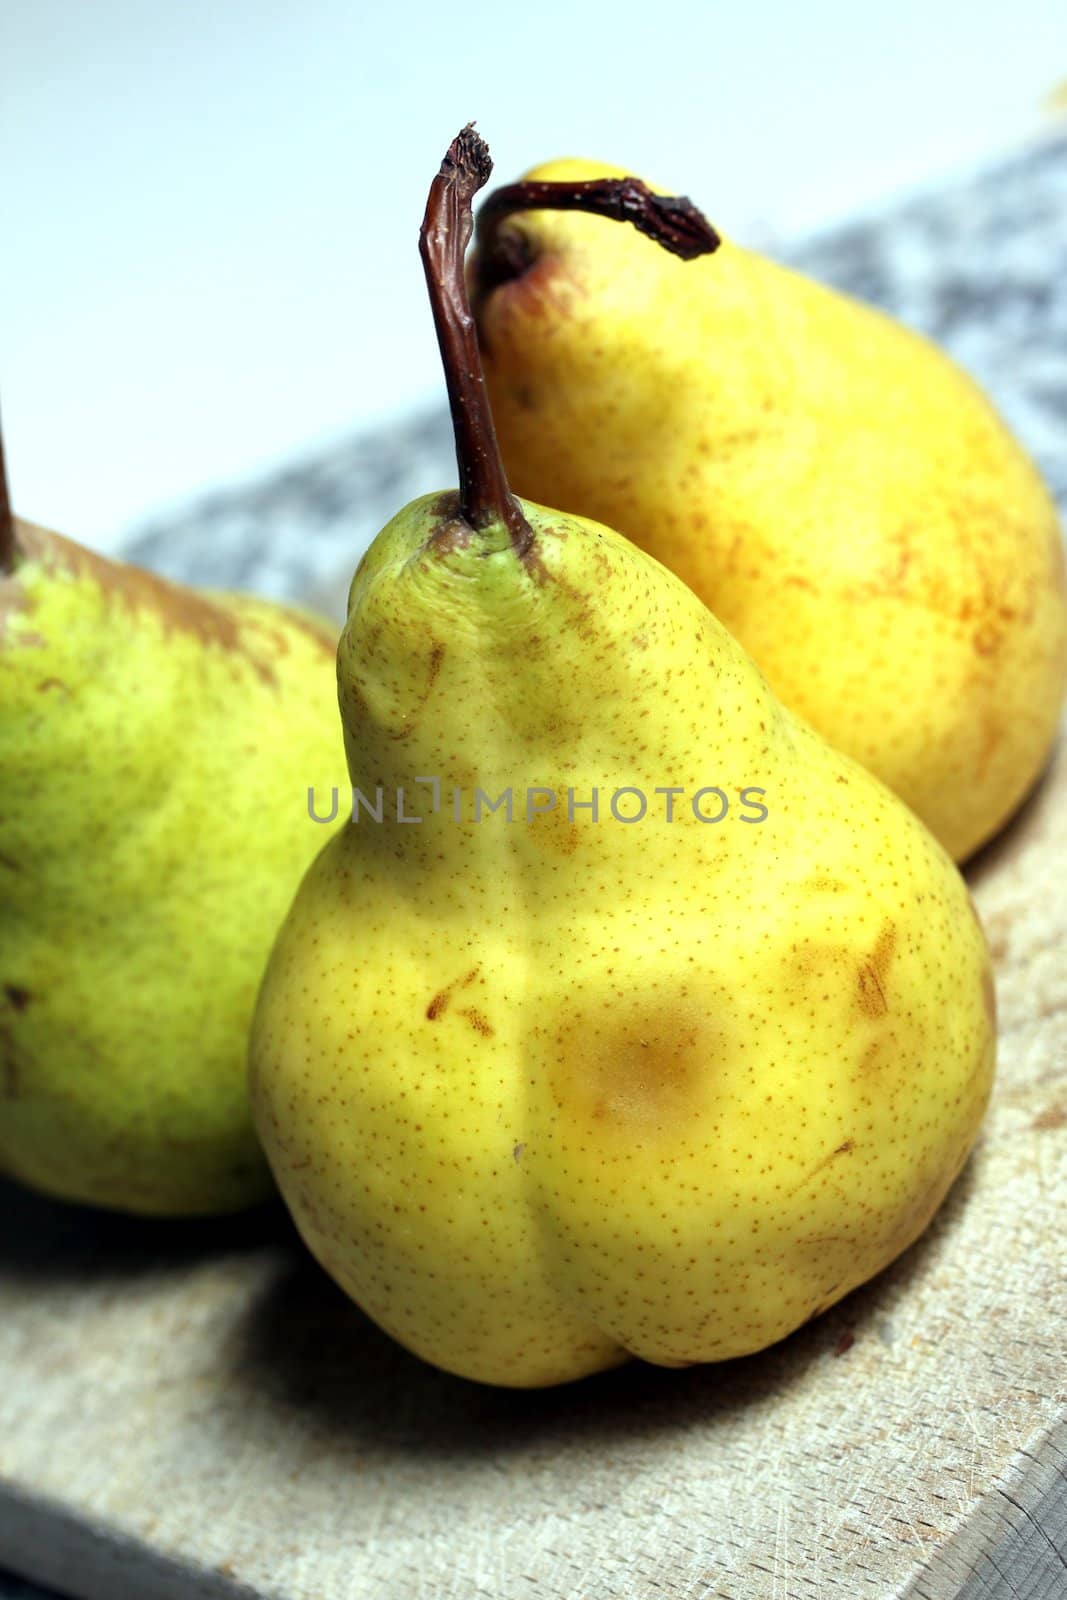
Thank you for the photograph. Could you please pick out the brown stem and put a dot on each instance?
(672, 221)
(8, 543)
(484, 496)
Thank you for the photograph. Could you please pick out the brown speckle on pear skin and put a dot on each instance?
(879, 1052)
(550, 831)
(19, 997)
(872, 999)
(873, 974)
(440, 1002)
(843, 1149)
(437, 655)
(478, 1022)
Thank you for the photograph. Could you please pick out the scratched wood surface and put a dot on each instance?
(195, 1411)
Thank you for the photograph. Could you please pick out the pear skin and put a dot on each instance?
(155, 753)
(546, 1088)
(834, 487)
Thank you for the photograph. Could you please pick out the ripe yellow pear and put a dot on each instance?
(156, 745)
(546, 1088)
(836, 490)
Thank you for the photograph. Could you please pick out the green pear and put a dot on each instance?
(156, 747)
(624, 1017)
(833, 486)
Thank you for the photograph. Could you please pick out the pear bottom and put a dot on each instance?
(201, 1161)
(527, 1170)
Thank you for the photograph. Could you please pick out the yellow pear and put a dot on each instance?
(156, 746)
(838, 492)
(625, 1018)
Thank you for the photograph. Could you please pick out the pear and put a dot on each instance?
(835, 489)
(623, 1017)
(156, 746)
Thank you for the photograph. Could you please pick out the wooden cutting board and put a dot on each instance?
(194, 1411)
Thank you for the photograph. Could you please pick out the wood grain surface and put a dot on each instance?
(194, 1411)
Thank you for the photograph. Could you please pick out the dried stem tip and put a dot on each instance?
(672, 221)
(484, 495)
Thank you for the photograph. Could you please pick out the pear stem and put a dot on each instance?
(8, 542)
(484, 495)
(672, 221)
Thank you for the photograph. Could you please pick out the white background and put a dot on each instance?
(208, 256)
